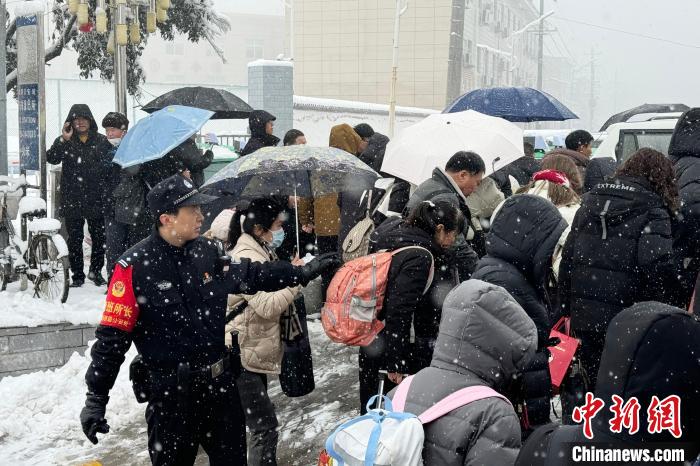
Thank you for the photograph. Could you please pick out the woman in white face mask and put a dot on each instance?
(254, 232)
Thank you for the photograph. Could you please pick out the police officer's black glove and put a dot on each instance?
(92, 417)
(318, 265)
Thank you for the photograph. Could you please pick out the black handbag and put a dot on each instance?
(297, 374)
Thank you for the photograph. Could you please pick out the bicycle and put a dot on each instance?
(39, 253)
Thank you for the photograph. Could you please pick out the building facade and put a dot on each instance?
(343, 48)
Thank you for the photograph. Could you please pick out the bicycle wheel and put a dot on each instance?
(51, 282)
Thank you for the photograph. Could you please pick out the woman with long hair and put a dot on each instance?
(619, 253)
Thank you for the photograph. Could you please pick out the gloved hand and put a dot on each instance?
(210, 138)
(319, 265)
(92, 417)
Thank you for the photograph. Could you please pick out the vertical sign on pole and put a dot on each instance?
(30, 95)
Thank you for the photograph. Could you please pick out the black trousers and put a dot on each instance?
(260, 418)
(96, 227)
(119, 237)
(209, 414)
(575, 385)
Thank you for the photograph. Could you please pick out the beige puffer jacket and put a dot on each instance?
(260, 333)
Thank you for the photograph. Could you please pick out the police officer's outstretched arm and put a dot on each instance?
(113, 341)
(250, 277)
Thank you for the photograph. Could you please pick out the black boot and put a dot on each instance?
(97, 279)
(77, 283)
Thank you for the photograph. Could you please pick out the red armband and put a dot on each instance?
(121, 310)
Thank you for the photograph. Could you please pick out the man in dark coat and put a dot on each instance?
(519, 250)
(173, 308)
(461, 177)
(684, 151)
(521, 169)
(85, 155)
(651, 350)
(619, 252)
(261, 124)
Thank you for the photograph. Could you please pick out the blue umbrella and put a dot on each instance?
(159, 133)
(518, 104)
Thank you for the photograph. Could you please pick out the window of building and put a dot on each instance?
(254, 49)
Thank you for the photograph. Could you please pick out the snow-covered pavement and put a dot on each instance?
(39, 411)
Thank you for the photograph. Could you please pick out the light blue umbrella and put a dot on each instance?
(159, 133)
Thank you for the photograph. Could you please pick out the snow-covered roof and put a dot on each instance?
(262, 62)
(316, 103)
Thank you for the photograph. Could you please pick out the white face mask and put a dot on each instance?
(115, 141)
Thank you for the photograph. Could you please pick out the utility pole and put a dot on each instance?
(592, 95)
(3, 97)
(401, 6)
(540, 51)
(477, 25)
(456, 52)
(119, 60)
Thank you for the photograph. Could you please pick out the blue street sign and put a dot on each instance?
(28, 102)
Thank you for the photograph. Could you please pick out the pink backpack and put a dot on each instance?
(356, 295)
(448, 404)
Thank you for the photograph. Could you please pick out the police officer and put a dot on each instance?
(168, 295)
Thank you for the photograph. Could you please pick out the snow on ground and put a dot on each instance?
(39, 412)
(84, 306)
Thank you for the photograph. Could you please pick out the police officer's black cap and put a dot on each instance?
(174, 192)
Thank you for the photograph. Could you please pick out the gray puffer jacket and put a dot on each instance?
(485, 339)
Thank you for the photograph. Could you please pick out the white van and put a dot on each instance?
(624, 139)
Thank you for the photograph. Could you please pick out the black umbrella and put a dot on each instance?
(226, 106)
(644, 108)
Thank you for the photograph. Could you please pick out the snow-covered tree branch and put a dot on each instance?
(196, 19)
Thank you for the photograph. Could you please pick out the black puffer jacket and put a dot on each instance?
(86, 168)
(404, 301)
(651, 350)
(684, 151)
(258, 137)
(521, 169)
(619, 252)
(519, 251)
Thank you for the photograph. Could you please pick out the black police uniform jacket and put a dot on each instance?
(171, 302)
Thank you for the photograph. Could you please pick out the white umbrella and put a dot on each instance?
(430, 143)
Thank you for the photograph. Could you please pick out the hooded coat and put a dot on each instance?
(581, 162)
(259, 138)
(618, 252)
(650, 350)
(485, 339)
(85, 170)
(684, 151)
(519, 251)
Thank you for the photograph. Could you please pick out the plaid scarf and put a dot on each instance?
(291, 325)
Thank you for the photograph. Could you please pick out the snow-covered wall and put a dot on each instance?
(315, 116)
